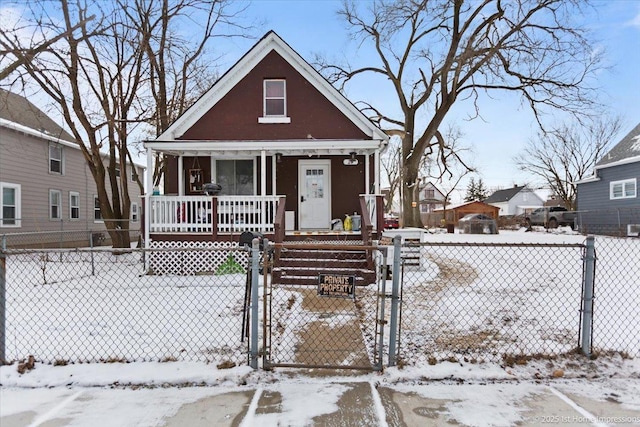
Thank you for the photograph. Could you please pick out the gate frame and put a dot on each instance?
(381, 297)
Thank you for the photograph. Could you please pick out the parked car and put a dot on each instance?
(391, 222)
(551, 217)
(477, 224)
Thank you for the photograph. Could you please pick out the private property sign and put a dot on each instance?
(335, 285)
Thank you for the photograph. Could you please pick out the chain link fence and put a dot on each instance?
(616, 308)
(88, 238)
(474, 301)
(609, 222)
(105, 305)
(492, 302)
(322, 306)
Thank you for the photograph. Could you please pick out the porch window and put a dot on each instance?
(236, 177)
(274, 102)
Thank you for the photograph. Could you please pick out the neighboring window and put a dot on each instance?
(626, 189)
(9, 205)
(97, 215)
(55, 158)
(274, 102)
(117, 171)
(55, 204)
(235, 177)
(134, 212)
(134, 173)
(74, 205)
(430, 193)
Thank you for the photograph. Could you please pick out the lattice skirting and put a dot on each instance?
(206, 258)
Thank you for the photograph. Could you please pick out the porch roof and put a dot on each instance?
(285, 147)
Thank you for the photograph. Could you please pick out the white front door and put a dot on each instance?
(314, 194)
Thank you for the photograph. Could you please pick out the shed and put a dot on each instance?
(455, 212)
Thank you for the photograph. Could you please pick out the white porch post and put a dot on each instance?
(273, 174)
(367, 178)
(180, 175)
(148, 190)
(263, 182)
(376, 168)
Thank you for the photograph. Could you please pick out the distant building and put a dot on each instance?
(515, 201)
(430, 198)
(608, 201)
(45, 183)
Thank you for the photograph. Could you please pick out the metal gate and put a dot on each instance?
(318, 314)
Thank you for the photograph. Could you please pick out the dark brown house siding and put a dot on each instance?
(347, 183)
(235, 116)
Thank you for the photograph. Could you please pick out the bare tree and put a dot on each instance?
(99, 75)
(437, 53)
(568, 153)
(178, 70)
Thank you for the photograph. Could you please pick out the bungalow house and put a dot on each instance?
(608, 201)
(47, 194)
(515, 200)
(290, 156)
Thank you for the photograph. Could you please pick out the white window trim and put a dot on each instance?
(96, 221)
(135, 212)
(18, 206)
(624, 183)
(71, 194)
(271, 119)
(59, 193)
(61, 159)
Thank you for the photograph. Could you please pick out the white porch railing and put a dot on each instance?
(196, 214)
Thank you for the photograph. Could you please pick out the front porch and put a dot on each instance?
(224, 218)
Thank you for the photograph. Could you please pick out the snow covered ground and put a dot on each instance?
(475, 394)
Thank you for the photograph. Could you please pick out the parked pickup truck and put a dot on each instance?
(551, 217)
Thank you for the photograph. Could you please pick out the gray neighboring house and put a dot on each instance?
(515, 200)
(608, 201)
(45, 184)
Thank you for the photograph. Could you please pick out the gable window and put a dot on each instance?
(9, 205)
(55, 204)
(97, 215)
(236, 177)
(55, 158)
(274, 106)
(626, 189)
(134, 212)
(74, 205)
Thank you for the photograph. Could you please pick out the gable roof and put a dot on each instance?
(269, 42)
(501, 196)
(20, 111)
(625, 151)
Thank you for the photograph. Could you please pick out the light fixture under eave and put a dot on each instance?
(279, 157)
(352, 160)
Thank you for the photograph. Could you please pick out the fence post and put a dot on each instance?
(587, 296)
(3, 305)
(395, 300)
(255, 278)
(93, 268)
